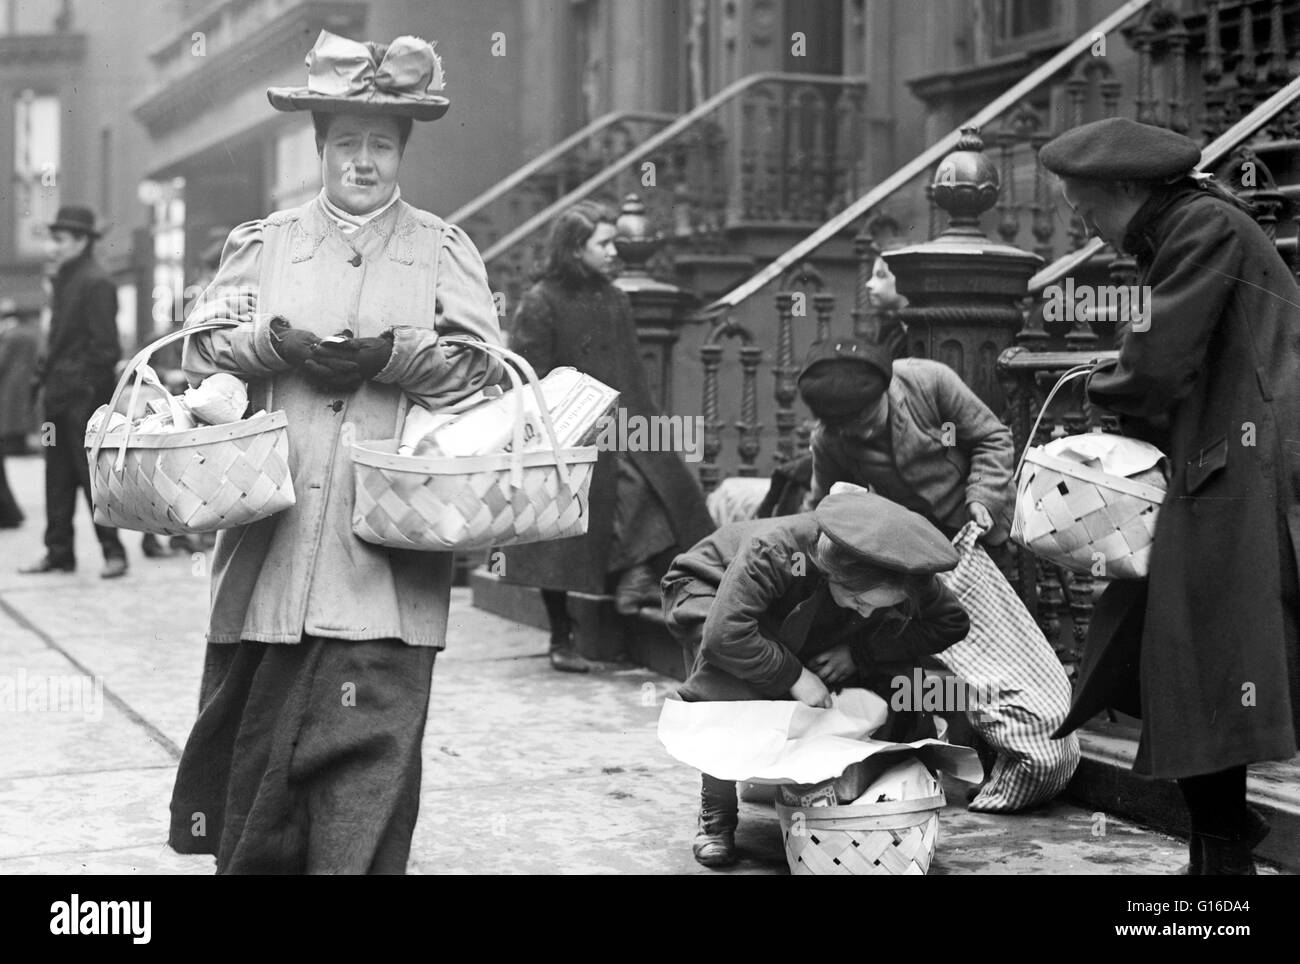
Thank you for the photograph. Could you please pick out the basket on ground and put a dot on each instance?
(887, 839)
(193, 480)
(442, 504)
(1081, 518)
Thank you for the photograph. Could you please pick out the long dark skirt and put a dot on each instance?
(305, 758)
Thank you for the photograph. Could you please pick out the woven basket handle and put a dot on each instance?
(138, 360)
(1069, 375)
(522, 364)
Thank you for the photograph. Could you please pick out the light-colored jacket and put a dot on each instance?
(302, 570)
(948, 447)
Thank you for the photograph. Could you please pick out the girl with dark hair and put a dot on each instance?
(567, 258)
(573, 315)
(800, 605)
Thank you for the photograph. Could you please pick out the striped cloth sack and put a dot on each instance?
(1022, 692)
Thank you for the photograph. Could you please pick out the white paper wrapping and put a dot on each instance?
(785, 741)
(909, 780)
(219, 399)
(574, 400)
(1112, 454)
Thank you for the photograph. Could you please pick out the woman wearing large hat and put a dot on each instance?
(305, 757)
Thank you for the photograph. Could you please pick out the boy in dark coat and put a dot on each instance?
(1210, 374)
(792, 607)
(644, 504)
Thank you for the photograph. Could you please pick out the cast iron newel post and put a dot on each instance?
(964, 289)
(659, 308)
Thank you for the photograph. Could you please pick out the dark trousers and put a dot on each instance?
(10, 513)
(66, 471)
(1216, 803)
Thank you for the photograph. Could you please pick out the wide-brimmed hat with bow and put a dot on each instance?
(346, 76)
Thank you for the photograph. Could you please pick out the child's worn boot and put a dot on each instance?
(715, 843)
(564, 654)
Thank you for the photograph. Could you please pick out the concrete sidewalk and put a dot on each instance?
(526, 770)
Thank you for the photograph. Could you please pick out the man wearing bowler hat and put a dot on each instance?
(76, 376)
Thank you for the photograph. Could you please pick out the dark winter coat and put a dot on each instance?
(83, 346)
(1215, 381)
(592, 329)
(19, 346)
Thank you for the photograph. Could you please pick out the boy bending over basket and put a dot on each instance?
(795, 606)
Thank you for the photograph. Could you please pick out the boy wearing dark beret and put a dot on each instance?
(796, 606)
(911, 430)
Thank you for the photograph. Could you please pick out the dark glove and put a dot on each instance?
(293, 345)
(373, 354)
(332, 371)
(343, 366)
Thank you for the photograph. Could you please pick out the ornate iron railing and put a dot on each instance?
(771, 147)
(1244, 108)
(553, 173)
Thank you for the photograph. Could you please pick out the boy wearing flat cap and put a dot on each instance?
(1212, 377)
(795, 606)
(911, 430)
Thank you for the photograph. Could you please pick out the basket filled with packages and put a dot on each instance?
(187, 465)
(847, 804)
(509, 469)
(1089, 503)
(859, 826)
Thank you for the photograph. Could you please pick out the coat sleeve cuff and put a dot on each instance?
(789, 673)
(265, 351)
(406, 342)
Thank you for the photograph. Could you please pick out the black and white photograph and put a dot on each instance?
(651, 437)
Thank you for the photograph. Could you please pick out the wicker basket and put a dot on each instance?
(1076, 516)
(189, 481)
(442, 504)
(882, 838)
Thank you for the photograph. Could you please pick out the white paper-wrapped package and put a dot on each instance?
(785, 741)
(220, 399)
(1112, 454)
(909, 780)
(575, 402)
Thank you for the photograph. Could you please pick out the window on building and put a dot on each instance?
(36, 170)
(126, 317)
(1023, 18)
(35, 16)
(588, 75)
(106, 172)
(168, 200)
(297, 168)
